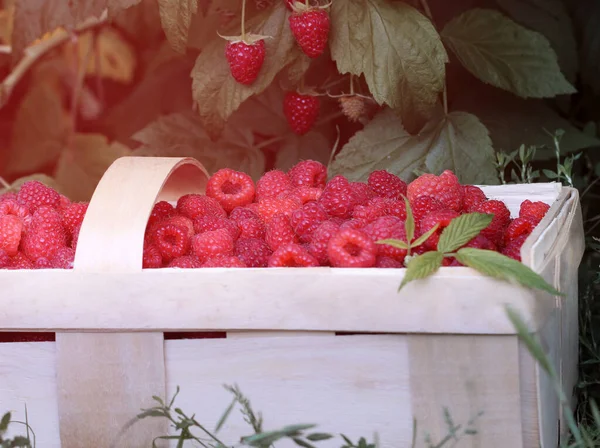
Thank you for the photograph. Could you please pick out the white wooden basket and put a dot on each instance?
(444, 342)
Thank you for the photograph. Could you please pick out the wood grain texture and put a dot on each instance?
(467, 375)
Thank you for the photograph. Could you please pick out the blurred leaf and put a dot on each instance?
(422, 266)
(176, 17)
(586, 14)
(43, 178)
(313, 146)
(83, 163)
(141, 23)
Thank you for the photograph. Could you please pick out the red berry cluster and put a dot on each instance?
(38, 228)
(292, 219)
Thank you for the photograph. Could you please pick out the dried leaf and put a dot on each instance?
(502, 53)
(458, 142)
(397, 49)
(83, 163)
(216, 94)
(176, 17)
(40, 177)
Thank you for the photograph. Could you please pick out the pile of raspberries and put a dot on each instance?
(293, 219)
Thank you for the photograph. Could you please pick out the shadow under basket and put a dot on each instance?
(337, 347)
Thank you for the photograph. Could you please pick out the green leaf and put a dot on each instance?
(461, 230)
(225, 415)
(4, 422)
(302, 443)
(176, 17)
(502, 267)
(502, 53)
(396, 48)
(425, 236)
(395, 243)
(20, 442)
(422, 266)
(316, 436)
(409, 224)
(457, 142)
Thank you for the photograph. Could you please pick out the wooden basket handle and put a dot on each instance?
(112, 233)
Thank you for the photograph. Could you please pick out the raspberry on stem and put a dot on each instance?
(310, 27)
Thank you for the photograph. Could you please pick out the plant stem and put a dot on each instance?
(243, 20)
(351, 84)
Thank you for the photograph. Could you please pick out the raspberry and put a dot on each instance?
(194, 205)
(279, 232)
(270, 207)
(64, 202)
(306, 194)
(533, 210)
(357, 223)
(20, 261)
(75, 237)
(396, 208)
(441, 217)
(152, 258)
(386, 184)
(481, 242)
(252, 228)
(495, 231)
(245, 60)
(445, 188)
(63, 258)
(230, 188)
(8, 196)
(513, 248)
(161, 210)
(338, 199)
(518, 227)
(311, 30)
(301, 111)
(212, 244)
(353, 107)
(209, 223)
(308, 173)
(423, 205)
(12, 207)
(387, 262)
(4, 258)
(306, 219)
(378, 207)
(224, 261)
(291, 256)
(11, 229)
(255, 253)
(241, 213)
(34, 194)
(171, 240)
(351, 248)
(184, 222)
(73, 215)
(272, 184)
(43, 263)
(384, 228)
(185, 262)
(320, 238)
(45, 235)
(472, 196)
(362, 193)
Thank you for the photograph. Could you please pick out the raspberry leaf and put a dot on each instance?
(396, 48)
(176, 18)
(461, 230)
(422, 266)
(425, 236)
(409, 224)
(499, 266)
(504, 54)
(395, 243)
(458, 142)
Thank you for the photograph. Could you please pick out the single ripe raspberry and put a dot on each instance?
(21, 261)
(4, 258)
(387, 262)
(212, 244)
(306, 219)
(362, 193)
(171, 240)
(272, 184)
(513, 248)
(185, 262)
(481, 242)
(45, 235)
(224, 261)
(8, 196)
(423, 205)
(378, 207)
(308, 173)
(311, 30)
(338, 198)
(279, 232)
(353, 107)
(320, 238)
(396, 207)
(291, 255)
(351, 248)
(241, 213)
(441, 217)
(533, 210)
(445, 188)
(43, 263)
(34, 194)
(252, 228)
(386, 184)
(209, 223)
(183, 221)
(245, 60)
(152, 258)
(161, 210)
(472, 196)
(306, 194)
(12, 207)
(270, 207)
(73, 215)
(63, 258)
(355, 223)
(11, 229)
(301, 111)
(194, 205)
(518, 227)
(230, 188)
(385, 228)
(255, 253)
(495, 231)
